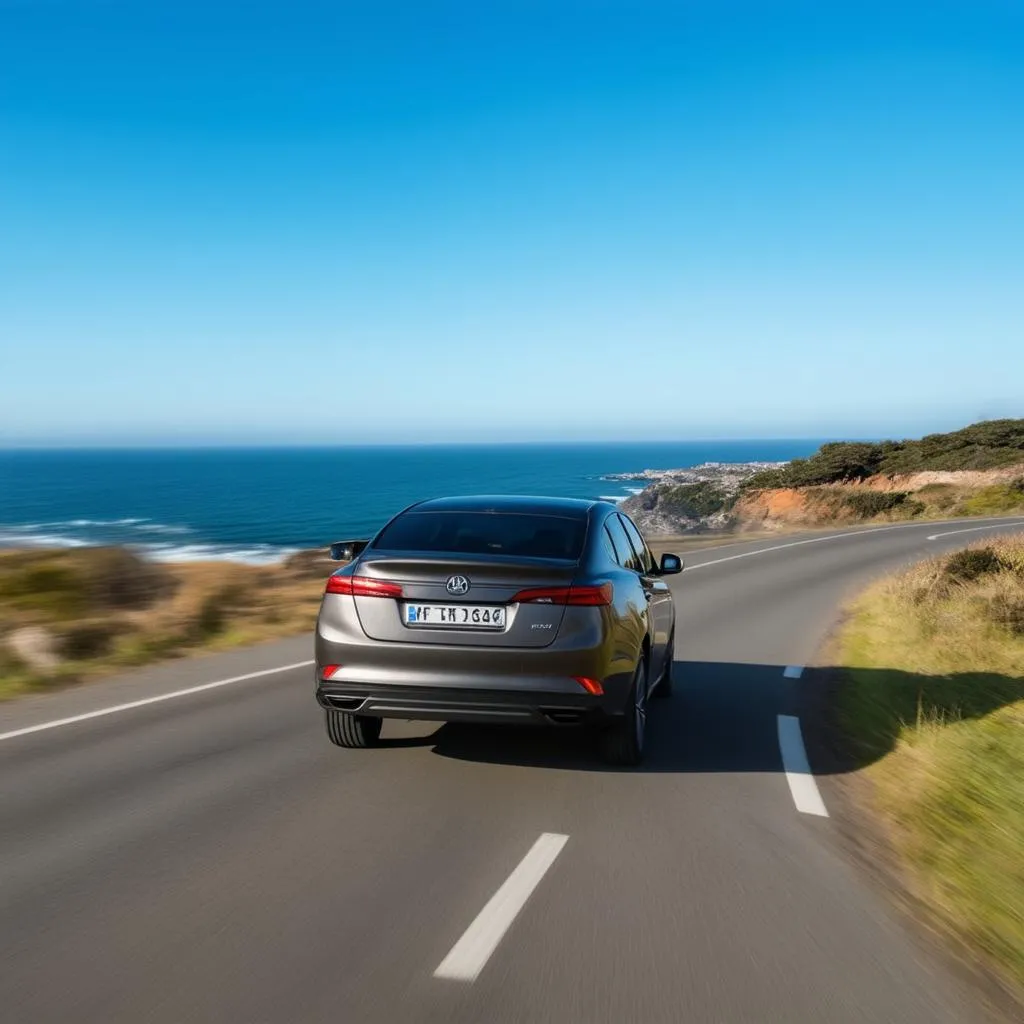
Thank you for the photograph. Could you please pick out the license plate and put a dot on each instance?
(455, 616)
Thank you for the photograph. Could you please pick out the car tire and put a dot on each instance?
(622, 743)
(353, 731)
(664, 687)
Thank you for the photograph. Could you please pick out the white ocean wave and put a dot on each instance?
(135, 533)
(10, 538)
(254, 554)
(138, 524)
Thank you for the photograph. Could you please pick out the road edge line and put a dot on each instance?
(1013, 521)
(131, 705)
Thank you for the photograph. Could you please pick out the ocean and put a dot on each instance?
(259, 505)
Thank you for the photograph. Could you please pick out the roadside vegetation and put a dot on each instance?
(67, 616)
(684, 501)
(977, 471)
(992, 444)
(933, 702)
(71, 615)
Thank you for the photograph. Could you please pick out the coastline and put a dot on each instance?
(182, 543)
(259, 506)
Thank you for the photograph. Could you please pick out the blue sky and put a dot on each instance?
(335, 223)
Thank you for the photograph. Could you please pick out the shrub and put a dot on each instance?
(117, 578)
(54, 591)
(691, 500)
(215, 611)
(90, 639)
(940, 496)
(832, 463)
(768, 479)
(872, 503)
(967, 565)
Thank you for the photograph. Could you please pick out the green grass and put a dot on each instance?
(995, 500)
(934, 703)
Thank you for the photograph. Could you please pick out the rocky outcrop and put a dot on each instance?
(692, 500)
(712, 498)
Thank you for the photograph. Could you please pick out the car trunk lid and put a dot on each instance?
(491, 582)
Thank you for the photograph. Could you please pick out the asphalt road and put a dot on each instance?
(211, 857)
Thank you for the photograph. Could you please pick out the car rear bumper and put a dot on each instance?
(468, 704)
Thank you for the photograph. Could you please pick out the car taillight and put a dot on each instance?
(592, 686)
(591, 596)
(362, 586)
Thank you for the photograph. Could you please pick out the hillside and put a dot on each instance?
(971, 472)
(992, 444)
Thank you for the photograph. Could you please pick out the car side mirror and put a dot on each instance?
(670, 565)
(346, 550)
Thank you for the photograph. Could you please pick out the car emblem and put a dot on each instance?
(457, 585)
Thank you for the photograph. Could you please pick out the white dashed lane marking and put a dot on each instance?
(469, 955)
(798, 771)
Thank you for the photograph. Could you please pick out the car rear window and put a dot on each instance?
(486, 533)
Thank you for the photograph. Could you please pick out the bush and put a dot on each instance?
(690, 500)
(91, 639)
(872, 503)
(833, 463)
(215, 611)
(33, 585)
(73, 584)
(967, 565)
(940, 496)
(117, 578)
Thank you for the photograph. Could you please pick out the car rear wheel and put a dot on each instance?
(623, 742)
(664, 687)
(353, 731)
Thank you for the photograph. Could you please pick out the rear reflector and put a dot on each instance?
(329, 670)
(362, 586)
(591, 596)
(590, 685)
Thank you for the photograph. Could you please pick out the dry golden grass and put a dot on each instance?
(935, 702)
(108, 610)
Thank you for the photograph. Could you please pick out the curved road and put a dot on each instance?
(211, 857)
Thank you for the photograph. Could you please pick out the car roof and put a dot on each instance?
(573, 508)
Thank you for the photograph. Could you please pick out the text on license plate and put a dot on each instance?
(455, 616)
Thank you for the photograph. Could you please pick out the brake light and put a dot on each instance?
(592, 686)
(362, 586)
(592, 596)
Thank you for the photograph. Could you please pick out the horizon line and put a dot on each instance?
(306, 446)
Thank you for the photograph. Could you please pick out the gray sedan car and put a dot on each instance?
(498, 609)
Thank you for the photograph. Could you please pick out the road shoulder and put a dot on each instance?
(864, 839)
